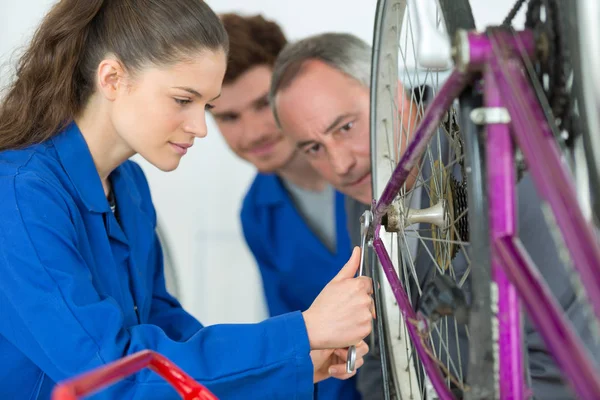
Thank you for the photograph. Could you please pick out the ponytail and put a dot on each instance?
(45, 94)
(56, 75)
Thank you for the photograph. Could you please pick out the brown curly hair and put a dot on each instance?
(253, 40)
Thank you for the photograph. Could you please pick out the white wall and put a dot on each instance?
(198, 204)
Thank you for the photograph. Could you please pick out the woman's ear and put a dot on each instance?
(110, 78)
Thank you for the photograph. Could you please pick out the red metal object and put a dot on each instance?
(99, 378)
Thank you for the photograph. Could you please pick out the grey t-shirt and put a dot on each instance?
(317, 209)
(354, 210)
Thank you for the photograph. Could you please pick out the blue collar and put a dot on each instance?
(271, 191)
(78, 164)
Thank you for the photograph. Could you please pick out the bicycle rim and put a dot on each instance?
(582, 30)
(423, 250)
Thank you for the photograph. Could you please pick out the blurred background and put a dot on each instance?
(210, 268)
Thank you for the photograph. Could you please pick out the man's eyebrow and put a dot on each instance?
(225, 113)
(254, 103)
(257, 101)
(305, 143)
(336, 122)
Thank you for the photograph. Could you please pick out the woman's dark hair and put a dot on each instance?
(56, 75)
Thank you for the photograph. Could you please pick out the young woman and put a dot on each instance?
(81, 268)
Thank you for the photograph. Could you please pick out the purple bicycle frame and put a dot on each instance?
(515, 276)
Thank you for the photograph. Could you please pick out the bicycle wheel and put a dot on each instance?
(435, 243)
(582, 29)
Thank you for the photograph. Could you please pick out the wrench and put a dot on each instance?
(365, 224)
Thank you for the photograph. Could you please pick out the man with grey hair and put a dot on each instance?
(343, 61)
(330, 74)
(320, 98)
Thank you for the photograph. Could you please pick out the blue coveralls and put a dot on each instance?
(294, 264)
(78, 290)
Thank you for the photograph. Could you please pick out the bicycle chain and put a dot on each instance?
(459, 188)
(554, 67)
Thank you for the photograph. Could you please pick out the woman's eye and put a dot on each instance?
(182, 102)
(209, 107)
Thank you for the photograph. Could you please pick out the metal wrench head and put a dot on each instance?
(351, 360)
(365, 225)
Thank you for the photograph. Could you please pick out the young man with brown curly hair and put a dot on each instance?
(293, 221)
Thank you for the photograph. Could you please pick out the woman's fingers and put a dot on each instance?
(373, 309)
(338, 367)
(362, 348)
(338, 371)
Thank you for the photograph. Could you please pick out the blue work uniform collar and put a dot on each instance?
(271, 191)
(76, 158)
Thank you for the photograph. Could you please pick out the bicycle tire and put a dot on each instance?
(584, 61)
(457, 15)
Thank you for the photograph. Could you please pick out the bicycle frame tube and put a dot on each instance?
(510, 89)
(535, 139)
(453, 86)
(502, 216)
(433, 372)
(550, 177)
(428, 126)
(92, 381)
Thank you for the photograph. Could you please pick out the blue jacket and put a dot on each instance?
(294, 264)
(77, 291)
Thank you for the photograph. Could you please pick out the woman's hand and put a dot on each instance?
(332, 363)
(342, 313)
